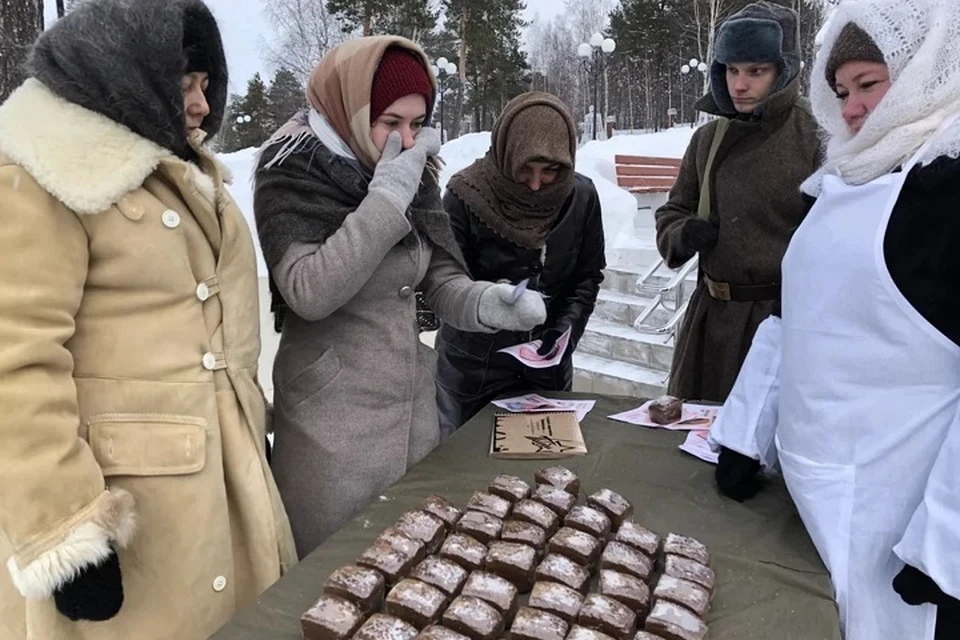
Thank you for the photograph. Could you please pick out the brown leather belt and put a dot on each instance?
(741, 292)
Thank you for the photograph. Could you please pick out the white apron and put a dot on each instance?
(868, 391)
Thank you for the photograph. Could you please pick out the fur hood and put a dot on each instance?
(125, 59)
(85, 160)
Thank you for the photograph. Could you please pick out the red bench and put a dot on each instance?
(646, 174)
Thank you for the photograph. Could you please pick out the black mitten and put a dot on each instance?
(548, 341)
(698, 234)
(95, 594)
(915, 587)
(738, 476)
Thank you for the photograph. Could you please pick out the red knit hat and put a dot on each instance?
(400, 74)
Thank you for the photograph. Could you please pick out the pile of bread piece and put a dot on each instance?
(444, 574)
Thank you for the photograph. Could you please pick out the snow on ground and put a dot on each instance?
(594, 160)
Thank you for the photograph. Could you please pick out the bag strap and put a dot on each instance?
(703, 207)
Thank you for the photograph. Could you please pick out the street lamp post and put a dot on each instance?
(445, 71)
(592, 55)
(685, 70)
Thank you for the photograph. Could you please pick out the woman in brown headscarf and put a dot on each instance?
(521, 213)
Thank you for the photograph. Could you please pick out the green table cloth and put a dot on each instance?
(771, 583)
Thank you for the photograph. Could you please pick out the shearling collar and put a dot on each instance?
(84, 159)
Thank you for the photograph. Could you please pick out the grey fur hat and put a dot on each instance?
(125, 59)
(761, 32)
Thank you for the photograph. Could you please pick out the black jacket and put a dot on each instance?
(569, 278)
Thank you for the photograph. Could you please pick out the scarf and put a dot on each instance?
(340, 87)
(303, 192)
(532, 127)
(920, 42)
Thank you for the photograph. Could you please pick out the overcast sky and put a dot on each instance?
(245, 29)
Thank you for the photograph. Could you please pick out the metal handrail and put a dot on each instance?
(671, 291)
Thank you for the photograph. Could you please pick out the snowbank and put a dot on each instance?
(594, 160)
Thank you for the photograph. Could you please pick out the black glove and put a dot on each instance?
(95, 594)
(698, 234)
(737, 475)
(915, 587)
(548, 340)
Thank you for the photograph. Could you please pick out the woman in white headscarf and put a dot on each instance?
(854, 392)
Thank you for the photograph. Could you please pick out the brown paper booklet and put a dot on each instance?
(536, 436)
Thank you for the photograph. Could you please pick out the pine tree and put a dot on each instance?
(248, 117)
(21, 21)
(492, 66)
(408, 18)
(285, 97)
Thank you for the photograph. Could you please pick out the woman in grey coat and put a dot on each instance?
(350, 220)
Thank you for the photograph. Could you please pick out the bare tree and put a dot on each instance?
(305, 30)
(587, 17)
(21, 21)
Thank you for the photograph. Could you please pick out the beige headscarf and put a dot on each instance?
(340, 88)
(534, 126)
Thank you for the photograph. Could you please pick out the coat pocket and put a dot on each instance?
(310, 380)
(137, 444)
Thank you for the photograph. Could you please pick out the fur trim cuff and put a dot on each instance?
(88, 543)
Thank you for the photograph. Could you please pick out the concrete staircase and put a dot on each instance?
(613, 357)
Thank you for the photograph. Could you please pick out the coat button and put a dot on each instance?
(405, 292)
(203, 292)
(219, 583)
(209, 361)
(171, 219)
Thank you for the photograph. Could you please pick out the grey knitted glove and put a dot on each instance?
(398, 174)
(496, 311)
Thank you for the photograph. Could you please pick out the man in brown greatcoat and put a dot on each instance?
(769, 147)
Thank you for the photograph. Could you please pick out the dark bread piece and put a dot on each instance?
(607, 615)
(687, 569)
(489, 503)
(665, 409)
(416, 603)
(437, 632)
(672, 622)
(444, 574)
(443, 509)
(393, 564)
(558, 599)
(556, 499)
(619, 557)
(640, 538)
(582, 633)
(494, 590)
(524, 533)
(331, 618)
(514, 562)
(538, 514)
(482, 526)
(533, 624)
(414, 549)
(582, 548)
(560, 477)
(628, 590)
(589, 520)
(557, 568)
(362, 586)
(423, 526)
(381, 626)
(614, 505)
(509, 488)
(474, 618)
(683, 592)
(466, 551)
(687, 547)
